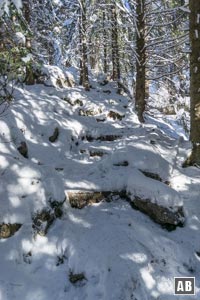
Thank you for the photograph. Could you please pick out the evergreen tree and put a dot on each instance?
(84, 77)
(194, 7)
(141, 93)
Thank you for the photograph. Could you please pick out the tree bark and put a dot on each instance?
(194, 158)
(105, 68)
(84, 77)
(115, 46)
(26, 10)
(29, 77)
(142, 90)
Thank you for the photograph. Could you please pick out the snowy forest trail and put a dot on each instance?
(120, 252)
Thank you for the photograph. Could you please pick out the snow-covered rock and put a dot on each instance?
(57, 77)
(166, 216)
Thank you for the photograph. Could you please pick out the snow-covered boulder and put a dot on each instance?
(57, 77)
(168, 217)
(156, 199)
(54, 190)
(141, 156)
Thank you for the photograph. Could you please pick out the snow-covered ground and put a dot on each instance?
(122, 253)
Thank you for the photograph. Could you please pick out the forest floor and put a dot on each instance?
(106, 250)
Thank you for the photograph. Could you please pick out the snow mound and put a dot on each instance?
(58, 77)
(157, 192)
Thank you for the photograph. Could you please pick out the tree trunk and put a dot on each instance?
(26, 10)
(142, 91)
(194, 158)
(115, 46)
(105, 68)
(81, 61)
(30, 76)
(84, 78)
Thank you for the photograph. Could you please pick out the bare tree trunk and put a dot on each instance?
(26, 10)
(194, 158)
(81, 61)
(105, 67)
(115, 46)
(141, 92)
(93, 53)
(84, 78)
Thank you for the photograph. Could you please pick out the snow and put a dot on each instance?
(4, 5)
(159, 194)
(27, 58)
(122, 252)
(184, 8)
(195, 69)
(198, 18)
(20, 38)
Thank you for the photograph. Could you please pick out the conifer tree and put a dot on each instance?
(194, 7)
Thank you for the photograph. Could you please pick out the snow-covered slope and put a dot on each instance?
(100, 147)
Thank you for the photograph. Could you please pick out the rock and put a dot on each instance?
(55, 135)
(93, 153)
(100, 120)
(76, 102)
(68, 100)
(77, 278)
(67, 81)
(124, 163)
(7, 230)
(96, 153)
(27, 257)
(57, 208)
(39, 76)
(108, 138)
(23, 149)
(81, 199)
(41, 79)
(57, 77)
(115, 116)
(151, 175)
(60, 82)
(82, 151)
(154, 176)
(42, 221)
(89, 112)
(60, 260)
(170, 218)
(107, 91)
(59, 169)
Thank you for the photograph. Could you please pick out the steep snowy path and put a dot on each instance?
(122, 253)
